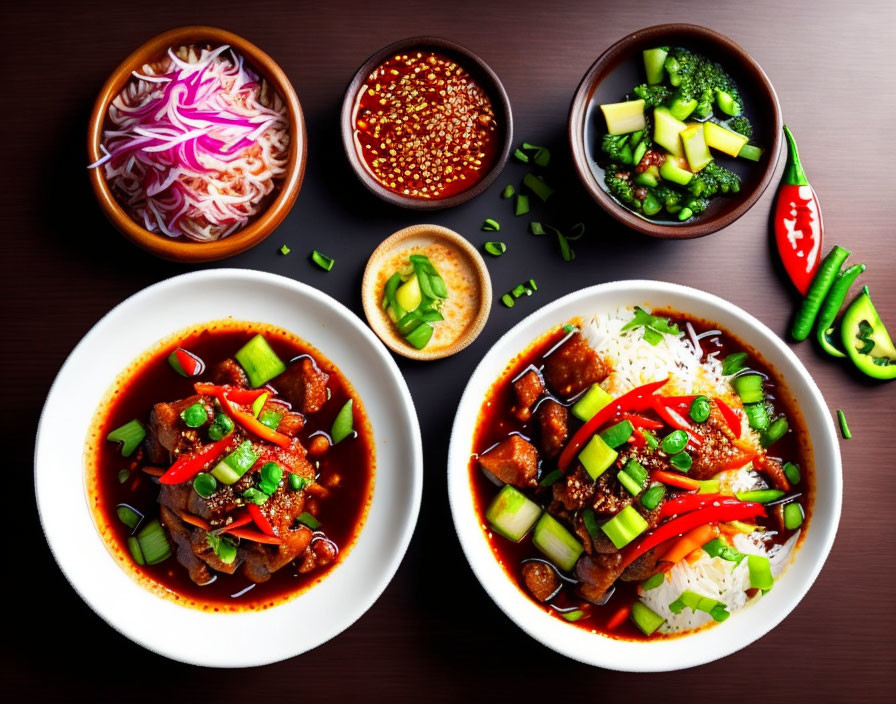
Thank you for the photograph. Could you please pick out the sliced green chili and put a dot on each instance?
(821, 284)
(322, 260)
(508, 192)
(521, 156)
(674, 442)
(284, 250)
(344, 424)
(537, 186)
(491, 225)
(844, 428)
(507, 300)
(522, 205)
(733, 363)
(551, 478)
(496, 249)
(700, 408)
(308, 520)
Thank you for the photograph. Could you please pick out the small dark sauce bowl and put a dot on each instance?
(619, 69)
(479, 71)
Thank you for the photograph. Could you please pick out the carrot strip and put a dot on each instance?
(690, 541)
(253, 535)
(235, 394)
(153, 471)
(672, 479)
(617, 619)
(194, 520)
(247, 420)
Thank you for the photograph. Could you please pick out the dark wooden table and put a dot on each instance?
(434, 634)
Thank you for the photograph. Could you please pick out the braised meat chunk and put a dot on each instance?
(541, 580)
(168, 431)
(573, 367)
(719, 450)
(528, 389)
(304, 385)
(229, 372)
(553, 422)
(514, 461)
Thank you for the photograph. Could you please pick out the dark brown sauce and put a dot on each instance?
(496, 421)
(152, 380)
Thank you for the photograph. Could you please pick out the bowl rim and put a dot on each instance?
(495, 90)
(618, 654)
(576, 125)
(370, 297)
(263, 224)
(104, 601)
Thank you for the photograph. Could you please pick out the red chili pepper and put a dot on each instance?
(642, 422)
(261, 520)
(244, 396)
(689, 521)
(253, 535)
(672, 479)
(676, 421)
(637, 439)
(247, 420)
(691, 502)
(617, 619)
(731, 418)
(638, 399)
(188, 466)
(798, 226)
(185, 363)
(243, 520)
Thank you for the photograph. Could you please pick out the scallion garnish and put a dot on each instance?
(284, 250)
(591, 524)
(136, 552)
(733, 363)
(654, 326)
(496, 249)
(123, 475)
(537, 186)
(536, 228)
(154, 543)
(491, 225)
(793, 516)
(271, 474)
(308, 520)
(343, 425)
(844, 428)
(130, 435)
(322, 260)
(792, 472)
(519, 290)
(654, 581)
(507, 300)
(128, 515)
(569, 327)
(550, 478)
(522, 205)
(508, 192)
(256, 496)
(573, 616)
(521, 156)
(533, 285)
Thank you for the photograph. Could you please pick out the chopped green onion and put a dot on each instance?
(297, 483)
(491, 225)
(551, 478)
(537, 186)
(536, 228)
(205, 485)
(749, 388)
(195, 416)
(844, 428)
(522, 205)
(700, 408)
(646, 619)
(557, 543)
(597, 457)
(636, 471)
(618, 434)
(128, 515)
(519, 290)
(260, 361)
(284, 250)
(682, 461)
(508, 192)
(270, 418)
(760, 496)
(533, 285)
(654, 326)
(420, 336)
(123, 475)
(154, 543)
(322, 260)
(708, 486)
(592, 401)
(512, 514)
(633, 487)
(733, 363)
(344, 424)
(507, 300)
(760, 572)
(221, 428)
(719, 548)
(654, 581)
(224, 547)
(256, 496)
(792, 472)
(136, 552)
(130, 435)
(573, 616)
(777, 430)
(674, 442)
(569, 327)
(624, 527)
(308, 520)
(496, 249)
(591, 524)
(697, 602)
(757, 415)
(650, 438)
(566, 252)
(521, 156)
(258, 403)
(652, 497)
(236, 464)
(793, 516)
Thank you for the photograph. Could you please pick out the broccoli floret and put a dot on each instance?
(617, 148)
(666, 195)
(699, 78)
(620, 188)
(653, 96)
(741, 125)
(713, 179)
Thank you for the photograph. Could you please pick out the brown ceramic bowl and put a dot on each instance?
(479, 70)
(620, 68)
(183, 249)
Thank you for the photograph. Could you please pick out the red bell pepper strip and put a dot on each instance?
(691, 502)
(243, 520)
(261, 520)
(676, 421)
(253, 535)
(617, 619)
(672, 479)
(642, 422)
(798, 226)
(638, 399)
(689, 521)
(731, 418)
(188, 466)
(247, 420)
(244, 396)
(637, 439)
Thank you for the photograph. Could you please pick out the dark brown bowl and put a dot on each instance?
(180, 248)
(613, 75)
(479, 70)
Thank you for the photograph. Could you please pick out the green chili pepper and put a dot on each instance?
(844, 428)
(866, 340)
(700, 409)
(832, 304)
(821, 284)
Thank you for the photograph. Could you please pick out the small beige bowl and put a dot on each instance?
(460, 265)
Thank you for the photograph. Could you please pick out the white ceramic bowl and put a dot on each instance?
(668, 654)
(317, 614)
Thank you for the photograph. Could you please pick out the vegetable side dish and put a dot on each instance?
(413, 299)
(640, 478)
(424, 127)
(195, 144)
(656, 163)
(231, 468)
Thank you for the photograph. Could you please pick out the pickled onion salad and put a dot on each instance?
(195, 144)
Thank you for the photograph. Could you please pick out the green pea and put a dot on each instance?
(674, 442)
(700, 409)
(205, 485)
(195, 416)
(682, 461)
